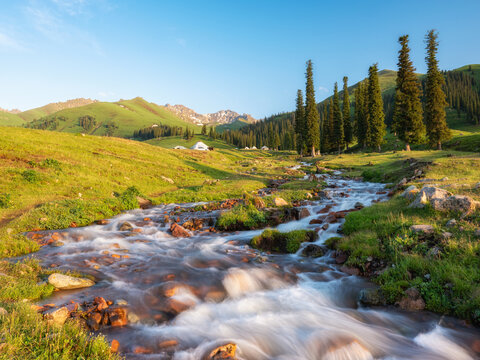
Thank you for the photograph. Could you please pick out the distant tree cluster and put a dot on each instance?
(110, 128)
(88, 122)
(463, 93)
(157, 131)
(276, 132)
(46, 123)
(188, 134)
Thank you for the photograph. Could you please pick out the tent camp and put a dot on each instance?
(253, 148)
(200, 146)
(180, 147)
(265, 148)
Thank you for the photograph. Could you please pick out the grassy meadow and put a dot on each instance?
(447, 278)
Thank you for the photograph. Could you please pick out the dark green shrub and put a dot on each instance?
(5, 200)
(31, 176)
(276, 241)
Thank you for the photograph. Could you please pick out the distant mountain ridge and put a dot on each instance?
(218, 118)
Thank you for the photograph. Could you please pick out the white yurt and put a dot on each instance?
(265, 147)
(200, 146)
(180, 147)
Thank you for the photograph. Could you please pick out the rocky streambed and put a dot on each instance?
(165, 291)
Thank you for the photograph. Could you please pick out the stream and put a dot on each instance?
(272, 306)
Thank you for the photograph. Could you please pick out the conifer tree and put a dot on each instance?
(204, 129)
(408, 113)
(338, 134)
(300, 123)
(331, 130)
(376, 117)
(347, 122)
(435, 103)
(325, 142)
(311, 112)
(360, 116)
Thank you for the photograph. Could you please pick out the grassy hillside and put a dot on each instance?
(127, 115)
(49, 180)
(7, 119)
(237, 124)
(172, 141)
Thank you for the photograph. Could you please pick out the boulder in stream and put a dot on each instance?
(280, 202)
(178, 230)
(412, 300)
(66, 282)
(313, 250)
(276, 241)
(222, 352)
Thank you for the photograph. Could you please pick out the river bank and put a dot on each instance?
(176, 288)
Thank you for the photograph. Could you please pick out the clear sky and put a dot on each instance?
(247, 56)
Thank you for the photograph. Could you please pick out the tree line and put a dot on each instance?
(158, 131)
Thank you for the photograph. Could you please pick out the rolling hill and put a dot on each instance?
(126, 115)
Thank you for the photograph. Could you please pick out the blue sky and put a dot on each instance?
(248, 56)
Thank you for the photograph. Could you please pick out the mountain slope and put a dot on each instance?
(126, 115)
(51, 108)
(219, 117)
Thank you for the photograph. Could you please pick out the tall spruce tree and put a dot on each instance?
(311, 113)
(408, 112)
(361, 113)
(325, 142)
(300, 123)
(376, 117)
(435, 103)
(347, 122)
(331, 128)
(338, 134)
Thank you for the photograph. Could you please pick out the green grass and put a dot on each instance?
(26, 336)
(171, 141)
(7, 119)
(51, 179)
(282, 242)
(128, 115)
(241, 217)
(448, 282)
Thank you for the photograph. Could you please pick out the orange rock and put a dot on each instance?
(117, 316)
(146, 219)
(115, 345)
(167, 344)
(116, 256)
(142, 350)
(137, 230)
(226, 351)
(73, 224)
(56, 236)
(101, 303)
(125, 256)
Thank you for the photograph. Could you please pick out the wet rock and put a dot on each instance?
(358, 205)
(102, 222)
(193, 224)
(303, 213)
(132, 318)
(451, 223)
(66, 282)
(56, 316)
(372, 297)
(350, 270)
(121, 302)
(126, 226)
(114, 346)
(412, 301)
(312, 250)
(410, 193)
(178, 230)
(101, 303)
(280, 202)
(166, 344)
(223, 352)
(424, 229)
(57, 243)
(331, 219)
(3, 312)
(117, 316)
(143, 203)
(340, 257)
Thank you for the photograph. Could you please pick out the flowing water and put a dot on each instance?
(282, 307)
